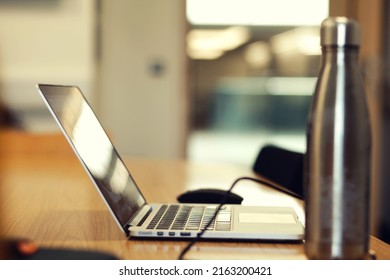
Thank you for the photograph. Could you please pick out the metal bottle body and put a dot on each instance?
(338, 160)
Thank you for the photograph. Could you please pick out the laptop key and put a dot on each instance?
(157, 217)
(195, 218)
(167, 219)
(181, 218)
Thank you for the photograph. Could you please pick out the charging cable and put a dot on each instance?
(222, 203)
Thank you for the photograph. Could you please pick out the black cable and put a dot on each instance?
(221, 204)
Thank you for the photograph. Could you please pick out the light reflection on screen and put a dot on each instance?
(96, 154)
(95, 150)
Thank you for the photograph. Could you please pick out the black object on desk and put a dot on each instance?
(28, 250)
(67, 254)
(283, 167)
(209, 196)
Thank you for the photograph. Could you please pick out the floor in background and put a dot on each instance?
(239, 147)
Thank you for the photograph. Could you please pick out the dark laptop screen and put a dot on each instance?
(94, 149)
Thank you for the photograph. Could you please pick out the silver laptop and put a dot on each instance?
(133, 214)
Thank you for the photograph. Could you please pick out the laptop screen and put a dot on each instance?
(94, 149)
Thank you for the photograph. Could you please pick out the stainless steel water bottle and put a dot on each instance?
(338, 155)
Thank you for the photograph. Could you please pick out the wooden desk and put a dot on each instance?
(46, 196)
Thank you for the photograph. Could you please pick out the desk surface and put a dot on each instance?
(46, 196)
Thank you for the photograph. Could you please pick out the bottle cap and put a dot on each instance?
(340, 31)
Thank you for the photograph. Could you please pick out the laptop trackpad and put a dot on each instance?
(269, 222)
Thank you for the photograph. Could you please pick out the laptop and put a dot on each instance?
(134, 215)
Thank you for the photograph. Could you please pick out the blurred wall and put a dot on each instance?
(373, 17)
(127, 56)
(384, 226)
(45, 41)
(142, 76)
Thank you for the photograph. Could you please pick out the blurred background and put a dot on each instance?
(205, 80)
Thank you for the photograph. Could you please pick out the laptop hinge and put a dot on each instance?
(141, 216)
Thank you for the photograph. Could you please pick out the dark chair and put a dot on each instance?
(282, 166)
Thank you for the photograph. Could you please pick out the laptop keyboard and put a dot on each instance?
(190, 217)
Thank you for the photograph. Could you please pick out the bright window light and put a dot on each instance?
(257, 12)
(226, 39)
(212, 43)
(305, 40)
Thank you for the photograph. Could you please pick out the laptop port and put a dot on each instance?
(160, 233)
(171, 234)
(185, 233)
